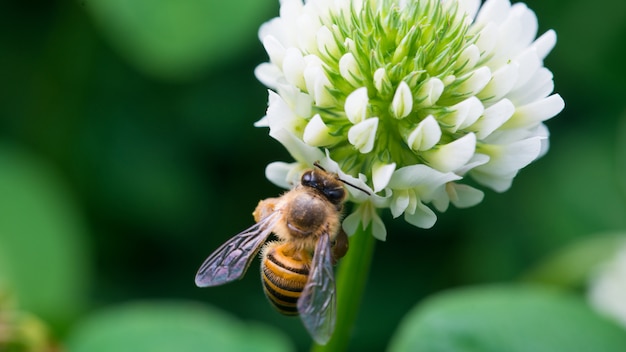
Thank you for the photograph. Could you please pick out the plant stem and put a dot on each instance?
(351, 278)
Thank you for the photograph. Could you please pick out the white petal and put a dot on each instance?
(476, 160)
(293, 68)
(545, 43)
(379, 231)
(493, 11)
(453, 155)
(425, 135)
(498, 183)
(468, 58)
(464, 196)
(402, 103)
(536, 112)
(365, 209)
(493, 118)
(299, 150)
(282, 174)
(280, 116)
(440, 200)
(381, 174)
(501, 82)
(349, 44)
(275, 50)
(356, 105)
(487, 39)
(542, 131)
(399, 202)
(539, 86)
(274, 27)
(519, 28)
(307, 27)
(463, 114)
(351, 223)
(290, 9)
(508, 158)
(470, 7)
(317, 85)
(423, 217)
(316, 133)
(363, 216)
(382, 83)
(299, 102)
(263, 122)
(268, 74)
(529, 63)
(421, 177)
(326, 42)
(528, 23)
(509, 31)
(474, 81)
(363, 134)
(349, 69)
(429, 92)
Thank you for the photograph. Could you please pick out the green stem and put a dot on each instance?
(351, 278)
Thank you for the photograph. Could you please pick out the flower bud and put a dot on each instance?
(316, 133)
(402, 102)
(425, 135)
(362, 135)
(356, 105)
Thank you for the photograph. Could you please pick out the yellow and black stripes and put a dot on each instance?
(284, 273)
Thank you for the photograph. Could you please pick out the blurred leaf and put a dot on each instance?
(43, 249)
(178, 39)
(507, 318)
(172, 326)
(573, 265)
(21, 331)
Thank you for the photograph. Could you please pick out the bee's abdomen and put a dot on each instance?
(284, 273)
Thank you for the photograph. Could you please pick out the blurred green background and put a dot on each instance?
(128, 154)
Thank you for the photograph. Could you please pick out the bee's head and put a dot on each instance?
(326, 183)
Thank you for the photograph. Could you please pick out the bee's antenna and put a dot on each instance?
(317, 165)
(355, 187)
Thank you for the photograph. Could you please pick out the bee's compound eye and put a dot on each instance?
(307, 178)
(335, 194)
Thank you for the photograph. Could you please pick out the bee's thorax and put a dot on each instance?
(306, 214)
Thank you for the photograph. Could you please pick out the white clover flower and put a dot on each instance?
(608, 288)
(409, 98)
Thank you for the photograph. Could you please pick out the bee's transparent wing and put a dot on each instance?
(231, 260)
(318, 303)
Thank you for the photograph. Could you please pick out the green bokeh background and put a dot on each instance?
(127, 154)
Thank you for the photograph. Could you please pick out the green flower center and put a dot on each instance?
(414, 43)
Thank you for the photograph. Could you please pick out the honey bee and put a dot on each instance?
(297, 269)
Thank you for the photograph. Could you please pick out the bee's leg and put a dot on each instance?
(264, 208)
(339, 246)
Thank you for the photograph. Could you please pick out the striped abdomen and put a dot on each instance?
(284, 273)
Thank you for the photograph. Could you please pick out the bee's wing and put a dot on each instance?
(318, 303)
(231, 260)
